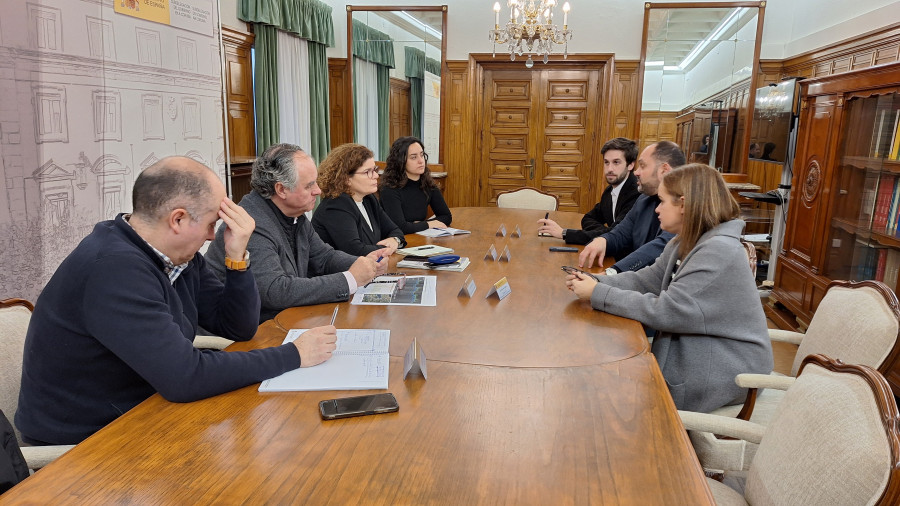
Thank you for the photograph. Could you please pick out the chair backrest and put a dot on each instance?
(856, 322)
(833, 440)
(528, 198)
(14, 317)
(750, 249)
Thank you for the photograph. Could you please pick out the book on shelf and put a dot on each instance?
(880, 264)
(359, 362)
(895, 144)
(875, 151)
(892, 268)
(891, 227)
(443, 232)
(883, 202)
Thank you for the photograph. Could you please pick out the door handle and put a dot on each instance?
(531, 169)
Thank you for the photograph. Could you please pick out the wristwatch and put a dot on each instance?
(611, 271)
(238, 265)
(564, 234)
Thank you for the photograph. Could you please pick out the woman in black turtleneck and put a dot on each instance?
(407, 189)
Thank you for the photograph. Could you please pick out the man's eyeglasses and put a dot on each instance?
(369, 173)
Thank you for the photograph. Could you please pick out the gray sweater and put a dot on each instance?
(313, 276)
(710, 320)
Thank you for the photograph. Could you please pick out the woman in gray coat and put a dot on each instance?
(699, 294)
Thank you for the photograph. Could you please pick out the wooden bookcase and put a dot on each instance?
(845, 202)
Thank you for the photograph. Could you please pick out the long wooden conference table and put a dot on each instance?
(533, 399)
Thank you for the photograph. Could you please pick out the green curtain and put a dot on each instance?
(309, 19)
(265, 85)
(433, 66)
(384, 110)
(372, 45)
(320, 120)
(415, 70)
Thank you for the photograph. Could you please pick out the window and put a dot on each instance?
(100, 38)
(187, 54)
(151, 107)
(45, 28)
(191, 118)
(148, 47)
(50, 114)
(107, 116)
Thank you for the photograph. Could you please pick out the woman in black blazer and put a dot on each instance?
(349, 217)
(408, 190)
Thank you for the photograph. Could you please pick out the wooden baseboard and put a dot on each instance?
(781, 316)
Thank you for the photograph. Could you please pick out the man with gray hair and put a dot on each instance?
(292, 265)
(116, 322)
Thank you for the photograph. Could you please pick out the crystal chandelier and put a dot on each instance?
(530, 29)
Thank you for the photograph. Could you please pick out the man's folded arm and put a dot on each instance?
(137, 326)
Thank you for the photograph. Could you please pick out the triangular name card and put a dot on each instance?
(501, 289)
(414, 361)
(468, 288)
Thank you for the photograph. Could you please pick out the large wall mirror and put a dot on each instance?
(698, 69)
(395, 60)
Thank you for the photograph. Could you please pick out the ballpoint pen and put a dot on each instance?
(334, 314)
(546, 216)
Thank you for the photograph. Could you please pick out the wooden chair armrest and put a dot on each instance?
(211, 342)
(764, 381)
(785, 336)
(39, 456)
(722, 425)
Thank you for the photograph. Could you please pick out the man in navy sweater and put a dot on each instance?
(637, 241)
(115, 323)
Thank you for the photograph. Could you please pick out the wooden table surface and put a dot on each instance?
(535, 399)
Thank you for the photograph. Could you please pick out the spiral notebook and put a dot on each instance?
(359, 362)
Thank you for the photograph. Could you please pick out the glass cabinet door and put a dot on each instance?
(864, 240)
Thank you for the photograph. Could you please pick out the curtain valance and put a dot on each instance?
(309, 19)
(372, 45)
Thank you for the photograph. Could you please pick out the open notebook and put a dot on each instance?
(359, 362)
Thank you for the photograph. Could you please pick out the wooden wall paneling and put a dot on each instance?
(877, 47)
(459, 132)
(337, 97)
(400, 121)
(239, 93)
(623, 100)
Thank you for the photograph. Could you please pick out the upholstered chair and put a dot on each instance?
(528, 198)
(833, 440)
(14, 317)
(856, 322)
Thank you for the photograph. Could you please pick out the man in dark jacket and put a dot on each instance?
(617, 199)
(638, 240)
(116, 322)
(13, 468)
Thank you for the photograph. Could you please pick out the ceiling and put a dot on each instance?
(673, 33)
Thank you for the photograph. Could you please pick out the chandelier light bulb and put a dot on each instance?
(534, 34)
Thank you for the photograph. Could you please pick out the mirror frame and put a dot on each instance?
(350, 122)
(754, 71)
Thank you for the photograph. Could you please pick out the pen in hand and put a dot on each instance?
(546, 216)
(334, 314)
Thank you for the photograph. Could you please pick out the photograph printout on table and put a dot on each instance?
(416, 291)
(359, 362)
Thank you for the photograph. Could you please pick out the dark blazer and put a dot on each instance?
(340, 224)
(599, 220)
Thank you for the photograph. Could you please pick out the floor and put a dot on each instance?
(783, 352)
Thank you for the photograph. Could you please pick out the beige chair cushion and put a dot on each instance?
(855, 325)
(725, 495)
(13, 327)
(527, 198)
(825, 445)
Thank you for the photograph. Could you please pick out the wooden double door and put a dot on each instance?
(540, 129)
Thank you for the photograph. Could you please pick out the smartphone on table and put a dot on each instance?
(572, 270)
(374, 404)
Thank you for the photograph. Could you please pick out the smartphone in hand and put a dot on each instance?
(572, 270)
(374, 404)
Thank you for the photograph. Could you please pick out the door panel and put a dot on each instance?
(539, 131)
